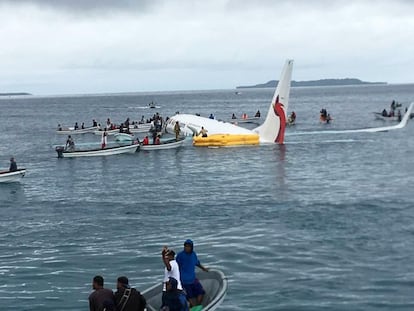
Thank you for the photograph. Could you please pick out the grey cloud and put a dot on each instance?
(88, 6)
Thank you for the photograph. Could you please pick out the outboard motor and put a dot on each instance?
(59, 150)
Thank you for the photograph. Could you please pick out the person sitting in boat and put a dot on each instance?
(257, 115)
(76, 126)
(384, 113)
(157, 140)
(83, 126)
(127, 298)
(59, 127)
(173, 299)
(94, 123)
(13, 165)
(203, 132)
(244, 116)
(145, 141)
(233, 116)
(70, 144)
(399, 115)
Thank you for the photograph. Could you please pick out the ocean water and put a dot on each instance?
(324, 222)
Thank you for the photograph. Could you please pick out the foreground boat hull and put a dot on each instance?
(7, 176)
(96, 152)
(214, 283)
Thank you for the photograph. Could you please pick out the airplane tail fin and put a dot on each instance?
(273, 128)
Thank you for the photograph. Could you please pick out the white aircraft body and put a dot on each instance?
(221, 133)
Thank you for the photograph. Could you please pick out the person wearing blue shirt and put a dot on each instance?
(187, 261)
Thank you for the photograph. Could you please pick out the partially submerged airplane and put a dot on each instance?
(221, 134)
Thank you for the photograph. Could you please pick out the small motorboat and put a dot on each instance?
(62, 153)
(214, 283)
(7, 176)
(165, 144)
(124, 137)
(72, 131)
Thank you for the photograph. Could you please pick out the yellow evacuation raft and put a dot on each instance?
(225, 140)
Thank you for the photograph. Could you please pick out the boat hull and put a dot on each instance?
(169, 144)
(96, 152)
(214, 283)
(80, 131)
(7, 176)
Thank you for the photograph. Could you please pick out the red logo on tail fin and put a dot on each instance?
(280, 112)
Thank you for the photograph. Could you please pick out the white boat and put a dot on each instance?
(62, 153)
(214, 283)
(7, 176)
(255, 120)
(72, 131)
(166, 144)
(140, 128)
(379, 116)
(123, 137)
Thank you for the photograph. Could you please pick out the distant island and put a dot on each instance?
(14, 94)
(322, 82)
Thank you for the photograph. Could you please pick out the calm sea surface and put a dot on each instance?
(324, 222)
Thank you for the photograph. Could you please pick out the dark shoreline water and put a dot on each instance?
(324, 222)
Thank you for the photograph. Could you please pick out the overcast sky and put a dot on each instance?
(95, 46)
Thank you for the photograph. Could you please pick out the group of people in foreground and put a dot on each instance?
(181, 289)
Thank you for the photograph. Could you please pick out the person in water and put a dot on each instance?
(187, 261)
(127, 298)
(157, 140)
(101, 297)
(211, 116)
(13, 165)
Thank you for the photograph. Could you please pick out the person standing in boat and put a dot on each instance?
(257, 115)
(127, 298)
(101, 297)
(13, 165)
(76, 127)
(177, 130)
(70, 144)
(187, 261)
(171, 268)
(104, 139)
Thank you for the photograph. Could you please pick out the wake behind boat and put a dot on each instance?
(214, 283)
(63, 153)
(8, 176)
